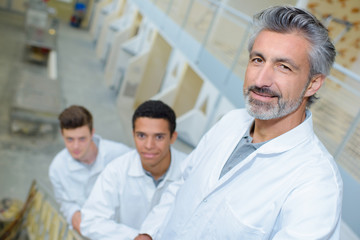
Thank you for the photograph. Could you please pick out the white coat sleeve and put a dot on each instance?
(159, 214)
(99, 211)
(68, 205)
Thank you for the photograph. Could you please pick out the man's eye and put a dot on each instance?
(140, 135)
(285, 67)
(159, 137)
(256, 60)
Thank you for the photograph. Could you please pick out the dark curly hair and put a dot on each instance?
(156, 109)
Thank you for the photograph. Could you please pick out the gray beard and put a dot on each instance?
(267, 111)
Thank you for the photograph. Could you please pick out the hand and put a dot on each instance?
(143, 236)
(76, 220)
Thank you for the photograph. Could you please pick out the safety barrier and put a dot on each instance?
(38, 219)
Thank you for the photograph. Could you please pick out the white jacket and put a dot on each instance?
(123, 196)
(289, 188)
(72, 180)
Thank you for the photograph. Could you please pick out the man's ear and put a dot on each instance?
(173, 137)
(315, 84)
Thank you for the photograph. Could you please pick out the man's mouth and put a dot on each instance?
(263, 92)
(149, 155)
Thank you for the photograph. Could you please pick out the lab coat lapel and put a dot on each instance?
(222, 154)
(277, 145)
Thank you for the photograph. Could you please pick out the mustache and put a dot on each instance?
(264, 90)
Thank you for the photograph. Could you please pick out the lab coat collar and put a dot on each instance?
(135, 168)
(280, 144)
(290, 139)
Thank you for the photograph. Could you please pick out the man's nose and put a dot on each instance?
(76, 144)
(149, 142)
(265, 76)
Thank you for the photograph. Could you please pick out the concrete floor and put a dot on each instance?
(24, 158)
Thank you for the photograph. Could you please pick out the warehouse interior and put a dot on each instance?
(111, 55)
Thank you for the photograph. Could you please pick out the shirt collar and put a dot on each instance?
(158, 181)
(248, 139)
(135, 167)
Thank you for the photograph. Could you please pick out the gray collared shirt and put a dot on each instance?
(243, 149)
(158, 181)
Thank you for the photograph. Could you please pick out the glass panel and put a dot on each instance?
(254, 6)
(229, 34)
(242, 60)
(334, 113)
(350, 157)
(178, 11)
(163, 5)
(200, 17)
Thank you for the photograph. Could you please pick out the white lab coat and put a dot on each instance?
(72, 180)
(289, 188)
(123, 196)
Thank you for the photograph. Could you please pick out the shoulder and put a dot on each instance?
(320, 164)
(122, 162)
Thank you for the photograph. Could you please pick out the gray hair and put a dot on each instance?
(287, 19)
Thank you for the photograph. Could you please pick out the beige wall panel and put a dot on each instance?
(114, 51)
(132, 78)
(154, 71)
(187, 92)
